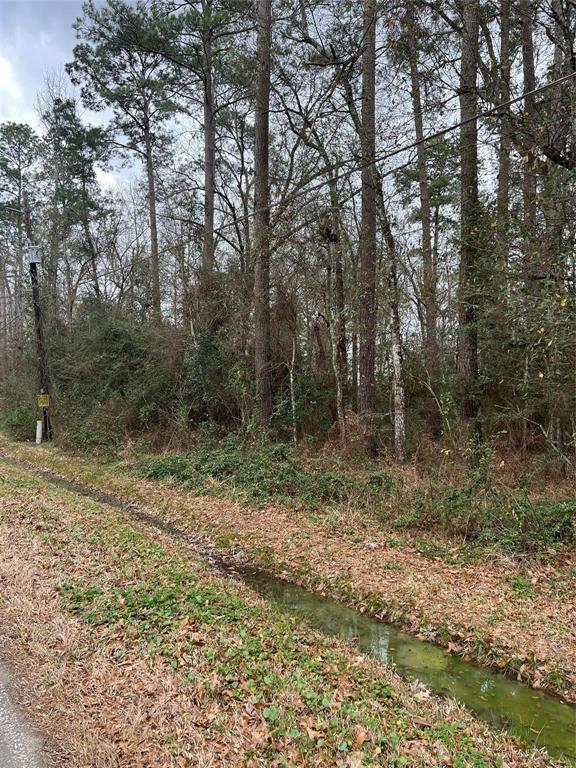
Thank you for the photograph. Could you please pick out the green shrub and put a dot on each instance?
(488, 517)
(520, 525)
(262, 471)
(266, 472)
(19, 422)
(94, 431)
(210, 382)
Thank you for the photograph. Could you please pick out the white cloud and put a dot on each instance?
(36, 39)
(9, 86)
(11, 95)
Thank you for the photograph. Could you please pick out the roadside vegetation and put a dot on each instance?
(306, 292)
(506, 607)
(474, 508)
(113, 607)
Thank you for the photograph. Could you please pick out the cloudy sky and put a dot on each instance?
(36, 40)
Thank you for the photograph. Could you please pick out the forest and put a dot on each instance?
(312, 263)
(337, 224)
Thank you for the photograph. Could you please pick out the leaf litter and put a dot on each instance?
(136, 654)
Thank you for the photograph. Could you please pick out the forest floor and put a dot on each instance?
(132, 652)
(516, 614)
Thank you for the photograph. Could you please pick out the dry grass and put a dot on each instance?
(472, 606)
(100, 697)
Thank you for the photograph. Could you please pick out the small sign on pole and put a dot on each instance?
(43, 400)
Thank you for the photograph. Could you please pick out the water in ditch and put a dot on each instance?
(531, 716)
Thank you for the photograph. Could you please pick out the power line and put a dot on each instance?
(416, 143)
(397, 151)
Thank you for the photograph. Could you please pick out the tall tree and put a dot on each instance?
(505, 142)
(367, 261)
(262, 351)
(135, 84)
(529, 184)
(19, 152)
(76, 149)
(428, 290)
(203, 40)
(392, 291)
(469, 218)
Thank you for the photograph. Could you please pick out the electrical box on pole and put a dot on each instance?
(35, 255)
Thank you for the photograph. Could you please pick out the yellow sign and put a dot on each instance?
(43, 401)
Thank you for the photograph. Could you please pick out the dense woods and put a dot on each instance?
(346, 221)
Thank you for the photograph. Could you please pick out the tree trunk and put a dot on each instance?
(367, 276)
(334, 333)
(262, 219)
(503, 192)
(4, 322)
(338, 332)
(393, 290)
(208, 306)
(90, 245)
(397, 387)
(154, 250)
(292, 368)
(428, 290)
(18, 308)
(553, 205)
(392, 285)
(93, 258)
(341, 344)
(469, 220)
(529, 178)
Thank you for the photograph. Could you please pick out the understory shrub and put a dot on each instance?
(522, 525)
(19, 422)
(113, 377)
(267, 472)
(18, 413)
(263, 471)
(509, 520)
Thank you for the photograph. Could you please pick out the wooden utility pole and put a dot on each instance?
(44, 398)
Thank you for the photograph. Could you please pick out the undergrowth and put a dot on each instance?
(475, 510)
(263, 472)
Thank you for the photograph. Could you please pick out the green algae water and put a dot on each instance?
(531, 716)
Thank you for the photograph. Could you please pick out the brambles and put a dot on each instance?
(474, 510)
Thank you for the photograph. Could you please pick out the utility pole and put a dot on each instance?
(44, 395)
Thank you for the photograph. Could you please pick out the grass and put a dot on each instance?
(520, 587)
(282, 541)
(280, 693)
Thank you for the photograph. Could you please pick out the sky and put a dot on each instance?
(36, 40)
